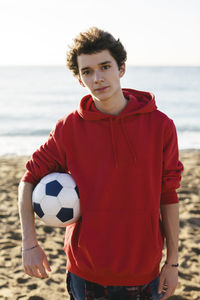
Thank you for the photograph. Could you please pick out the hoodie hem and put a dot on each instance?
(133, 281)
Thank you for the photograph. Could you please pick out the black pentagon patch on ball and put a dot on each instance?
(53, 188)
(65, 214)
(77, 191)
(38, 210)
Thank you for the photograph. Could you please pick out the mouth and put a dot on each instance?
(101, 89)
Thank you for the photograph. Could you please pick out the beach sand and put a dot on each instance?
(15, 284)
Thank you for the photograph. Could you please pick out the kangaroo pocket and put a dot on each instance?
(118, 242)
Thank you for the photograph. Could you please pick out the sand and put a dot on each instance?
(15, 284)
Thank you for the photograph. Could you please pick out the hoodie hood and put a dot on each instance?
(138, 103)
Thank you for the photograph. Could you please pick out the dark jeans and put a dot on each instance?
(77, 287)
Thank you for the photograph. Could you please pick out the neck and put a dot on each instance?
(112, 105)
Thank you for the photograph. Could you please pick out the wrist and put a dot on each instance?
(172, 265)
(172, 258)
(27, 243)
(28, 249)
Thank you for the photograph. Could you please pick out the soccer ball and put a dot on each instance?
(56, 200)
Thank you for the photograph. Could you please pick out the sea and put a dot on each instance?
(33, 98)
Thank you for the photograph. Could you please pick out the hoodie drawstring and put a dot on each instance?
(128, 140)
(113, 143)
(126, 137)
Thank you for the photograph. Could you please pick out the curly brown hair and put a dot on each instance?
(94, 40)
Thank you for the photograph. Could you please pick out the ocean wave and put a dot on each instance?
(188, 128)
(41, 132)
(45, 131)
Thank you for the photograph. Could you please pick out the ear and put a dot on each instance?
(81, 82)
(122, 70)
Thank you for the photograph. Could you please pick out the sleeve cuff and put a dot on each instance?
(169, 198)
(29, 178)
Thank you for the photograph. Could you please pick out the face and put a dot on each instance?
(100, 74)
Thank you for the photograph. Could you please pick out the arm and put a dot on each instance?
(171, 177)
(169, 274)
(170, 221)
(50, 157)
(34, 260)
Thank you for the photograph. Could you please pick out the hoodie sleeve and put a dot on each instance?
(49, 158)
(172, 167)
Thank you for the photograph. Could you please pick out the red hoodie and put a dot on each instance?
(125, 167)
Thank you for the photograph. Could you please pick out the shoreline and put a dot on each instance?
(28, 155)
(15, 284)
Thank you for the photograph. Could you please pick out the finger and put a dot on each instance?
(167, 294)
(171, 291)
(27, 271)
(35, 271)
(164, 288)
(46, 264)
(31, 272)
(41, 271)
(161, 284)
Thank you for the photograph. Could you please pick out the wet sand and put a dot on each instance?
(15, 284)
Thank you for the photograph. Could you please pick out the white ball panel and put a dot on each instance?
(66, 180)
(51, 220)
(50, 205)
(38, 193)
(49, 177)
(68, 197)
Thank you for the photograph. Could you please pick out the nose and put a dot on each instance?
(98, 77)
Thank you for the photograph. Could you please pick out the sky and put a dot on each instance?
(154, 32)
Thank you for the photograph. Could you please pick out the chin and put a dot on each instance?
(103, 97)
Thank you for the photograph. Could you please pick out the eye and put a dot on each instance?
(86, 72)
(106, 67)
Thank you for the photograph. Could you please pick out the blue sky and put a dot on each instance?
(154, 32)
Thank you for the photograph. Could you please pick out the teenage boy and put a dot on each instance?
(123, 154)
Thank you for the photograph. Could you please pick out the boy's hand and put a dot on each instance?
(168, 281)
(35, 262)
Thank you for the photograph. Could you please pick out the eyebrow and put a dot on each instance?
(101, 64)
